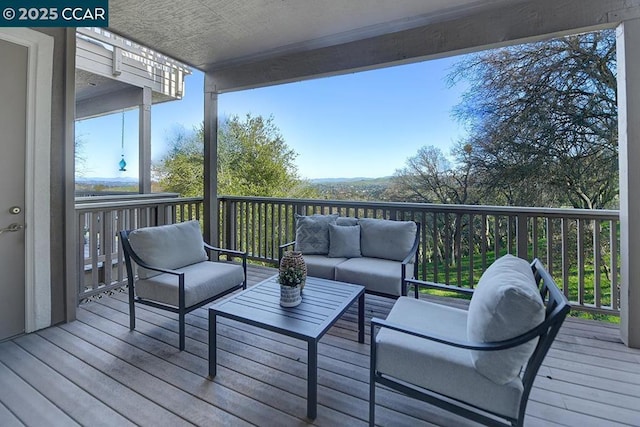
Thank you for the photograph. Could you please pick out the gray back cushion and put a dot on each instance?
(505, 304)
(347, 220)
(168, 246)
(312, 233)
(381, 238)
(344, 241)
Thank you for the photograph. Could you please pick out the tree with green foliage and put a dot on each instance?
(543, 120)
(253, 160)
(181, 170)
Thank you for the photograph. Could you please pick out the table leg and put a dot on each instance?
(212, 345)
(312, 379)
(361, 318)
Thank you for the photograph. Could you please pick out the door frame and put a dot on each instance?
(37, 174)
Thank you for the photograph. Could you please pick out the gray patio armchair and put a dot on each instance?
(175, 272)
(479, 363)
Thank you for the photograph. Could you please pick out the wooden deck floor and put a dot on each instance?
(94, 371)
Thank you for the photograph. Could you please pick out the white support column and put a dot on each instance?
(210, 163)
(144, 142)
(628, 51)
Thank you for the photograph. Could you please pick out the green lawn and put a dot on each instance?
(490, 257)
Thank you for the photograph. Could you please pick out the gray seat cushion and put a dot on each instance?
(201, 281)
(378, 275)
(322, 266)
(444, 369)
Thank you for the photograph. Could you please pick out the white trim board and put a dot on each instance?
(37, 175)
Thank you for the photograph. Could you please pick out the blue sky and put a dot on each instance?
(358, 125)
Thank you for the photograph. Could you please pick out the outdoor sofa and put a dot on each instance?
(379, 254)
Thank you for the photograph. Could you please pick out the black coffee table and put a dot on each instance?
(323, 302)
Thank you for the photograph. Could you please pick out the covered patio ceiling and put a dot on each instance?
(211, 33)
(251, 43)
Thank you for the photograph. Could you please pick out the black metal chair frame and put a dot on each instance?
(181, 310)
(413, 255)
(557, 308)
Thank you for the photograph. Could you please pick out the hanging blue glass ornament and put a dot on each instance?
(122, 164)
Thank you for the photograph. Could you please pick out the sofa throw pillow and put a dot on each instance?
(383, 238)
(344, 241)
(312, 233)
(168, 246)
(505, 304)
(346, 220)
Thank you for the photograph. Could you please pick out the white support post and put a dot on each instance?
(628, 52)
(144, 142)
(117, 61)
(210, 163)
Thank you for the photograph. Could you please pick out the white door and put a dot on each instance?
(13, 113)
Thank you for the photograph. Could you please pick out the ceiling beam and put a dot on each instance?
(107, 103)
(522, 21)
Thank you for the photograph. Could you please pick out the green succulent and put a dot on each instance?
(291, 276)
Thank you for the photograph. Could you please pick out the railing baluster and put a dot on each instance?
(436, 255)
(457, 253)
(613, 266)
(580, 260)
(496, 237)
(107, 264)
(534, 235)
(471, 251)
(565, 256)
(483, 240)
(597, 292)
(549, 237)
(94, 242)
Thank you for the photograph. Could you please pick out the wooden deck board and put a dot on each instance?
(77, 403)
(95, 371)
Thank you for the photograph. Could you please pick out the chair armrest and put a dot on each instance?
(414, 248)
(440, 286)
(161, 270)
(489, 346)
(232, 252)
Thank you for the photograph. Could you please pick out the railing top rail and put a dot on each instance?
(476, 209)
(116, 197)
(100, 206)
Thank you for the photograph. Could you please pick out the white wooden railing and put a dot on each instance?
(100, 259)
(580, 248)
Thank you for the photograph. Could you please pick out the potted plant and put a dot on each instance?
(290, 279)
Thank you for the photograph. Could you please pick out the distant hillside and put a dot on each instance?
(352, 188)
(87, 186)
(110, 182)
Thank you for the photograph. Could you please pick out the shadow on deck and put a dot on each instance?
(94, 371)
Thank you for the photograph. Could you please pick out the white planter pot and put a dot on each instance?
(290, 296)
